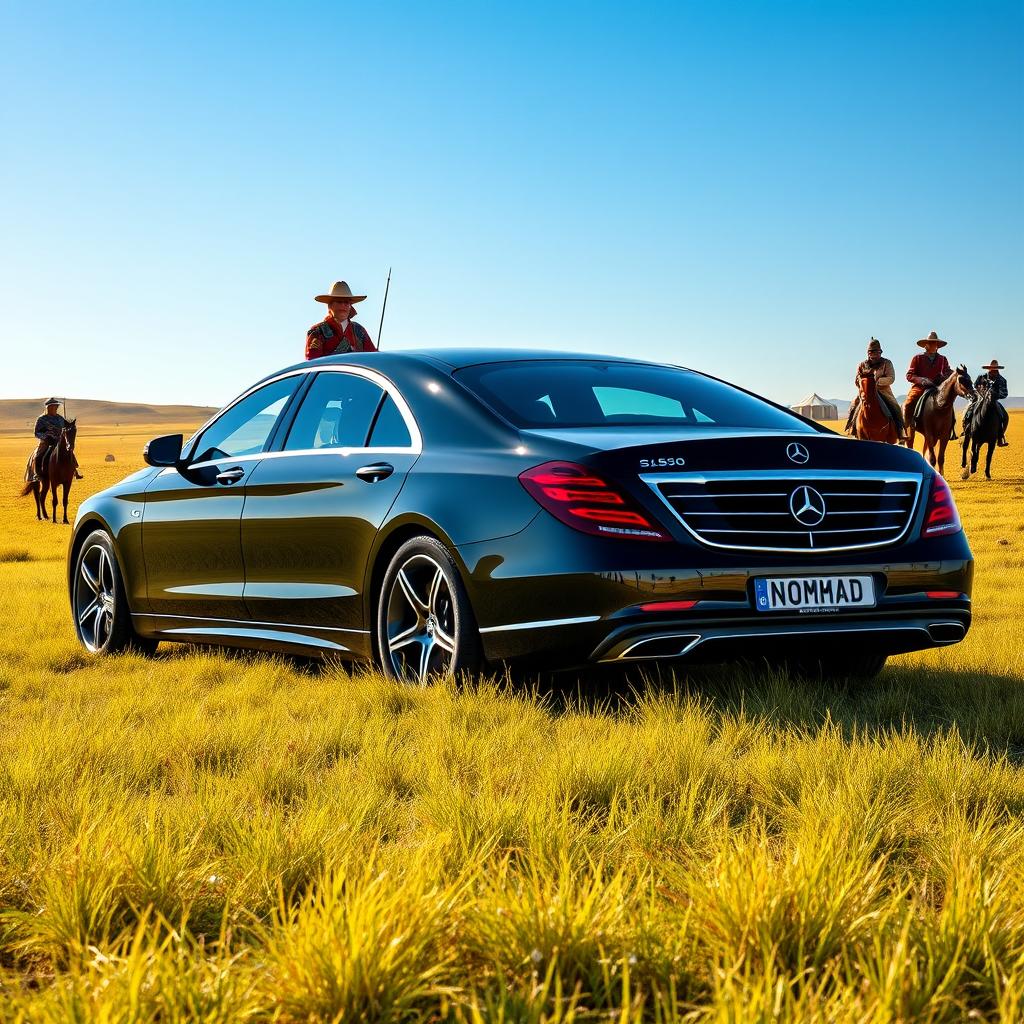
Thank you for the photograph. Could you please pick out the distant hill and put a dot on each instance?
(843, 405)
(17, 414)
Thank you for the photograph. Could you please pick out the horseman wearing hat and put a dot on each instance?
(47, 432)
(927, 370)
(884, 373)
(338, 333)
(992, 380)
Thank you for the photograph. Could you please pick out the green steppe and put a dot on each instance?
(217, 837)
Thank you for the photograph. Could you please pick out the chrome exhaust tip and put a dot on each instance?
(946, 632)
(672, 645)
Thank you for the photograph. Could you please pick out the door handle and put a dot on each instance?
(230, 476)
(378, 471)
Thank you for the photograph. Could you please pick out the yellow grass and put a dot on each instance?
(216, 837)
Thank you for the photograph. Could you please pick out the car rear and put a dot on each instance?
(740, 530)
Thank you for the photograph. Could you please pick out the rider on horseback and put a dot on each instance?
(994, 382)
(927, 370)
(884, 373)
(48, 428)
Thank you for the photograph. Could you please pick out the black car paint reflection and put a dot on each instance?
(553, 491)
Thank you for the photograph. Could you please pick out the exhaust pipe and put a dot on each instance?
(946, 632)
(674, 645)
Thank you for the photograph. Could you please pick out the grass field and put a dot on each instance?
(203, 836)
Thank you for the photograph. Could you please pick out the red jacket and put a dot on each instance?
(922, 366)
(326, 338)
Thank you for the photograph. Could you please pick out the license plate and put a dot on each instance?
(813, 593)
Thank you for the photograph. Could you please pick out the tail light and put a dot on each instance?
(941, 516)
(586, 502)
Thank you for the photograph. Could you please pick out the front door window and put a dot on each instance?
(245, 428)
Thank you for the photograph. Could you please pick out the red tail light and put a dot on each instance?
(669, 606)
(941, 516)
(586, 502)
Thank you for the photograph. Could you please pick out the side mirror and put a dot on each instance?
(164, 451)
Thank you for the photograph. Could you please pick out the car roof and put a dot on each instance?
(458, 358)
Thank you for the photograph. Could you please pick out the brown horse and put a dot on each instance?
(936, 419)
(873, 422)
(57, 470)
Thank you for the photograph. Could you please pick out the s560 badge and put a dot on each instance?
(661, 463)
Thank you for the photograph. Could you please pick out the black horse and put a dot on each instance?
(984, 428)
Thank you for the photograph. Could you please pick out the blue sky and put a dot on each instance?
(752, 189)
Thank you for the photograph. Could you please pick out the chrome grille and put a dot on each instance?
(757, 511)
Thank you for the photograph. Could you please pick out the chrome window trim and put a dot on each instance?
(260, 456)
(798, 476)
(384, 383)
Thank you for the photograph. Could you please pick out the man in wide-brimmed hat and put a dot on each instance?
(992, 380)
(47, 432)
(927, 370)
(877, 366)
(338, 333)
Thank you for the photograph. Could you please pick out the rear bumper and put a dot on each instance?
(723, 641)
(539, 597)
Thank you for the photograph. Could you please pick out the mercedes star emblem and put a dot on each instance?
(797, 453)
(807, 506)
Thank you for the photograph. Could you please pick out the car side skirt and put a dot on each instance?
(274, 637)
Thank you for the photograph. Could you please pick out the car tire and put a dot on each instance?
(99, 604)
(425, 624)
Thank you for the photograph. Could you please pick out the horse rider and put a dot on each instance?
(927, 370)
(338, 333)
(994, 381)
(48, 428)
(884, 373)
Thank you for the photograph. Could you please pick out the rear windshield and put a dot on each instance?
(589, 393)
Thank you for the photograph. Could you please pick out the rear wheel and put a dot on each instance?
(103, 620)
(425, 625)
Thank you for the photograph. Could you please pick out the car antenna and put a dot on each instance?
(383, 307)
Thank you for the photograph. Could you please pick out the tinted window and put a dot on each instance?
(335, 413)
(246, 426)
(584, 393)
(390, 430)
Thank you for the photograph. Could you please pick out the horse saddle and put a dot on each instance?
(918, 411)
(919, 404)
(40, 462)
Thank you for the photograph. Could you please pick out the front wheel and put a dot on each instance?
(103, 620)
(425, 625)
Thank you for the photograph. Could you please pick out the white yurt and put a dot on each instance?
(814, 407)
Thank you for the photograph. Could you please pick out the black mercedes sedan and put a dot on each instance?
(447, 511)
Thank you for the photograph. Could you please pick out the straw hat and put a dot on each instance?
(994, 365)
(340, 290)
(932, 337)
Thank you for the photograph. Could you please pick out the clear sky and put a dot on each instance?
(752, 189)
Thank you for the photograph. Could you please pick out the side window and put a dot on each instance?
(390, 430)
(335, 413)
(246, 426)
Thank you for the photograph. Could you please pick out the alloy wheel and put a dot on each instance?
(95, 596)
(421, 630)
